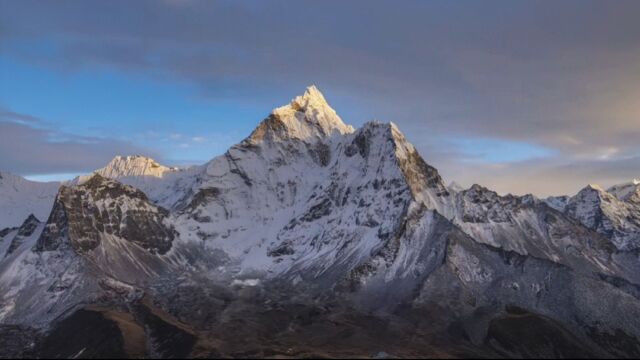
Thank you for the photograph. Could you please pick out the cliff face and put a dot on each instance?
(100, 207)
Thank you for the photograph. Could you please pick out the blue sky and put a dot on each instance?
(169, 119)
(519, 96)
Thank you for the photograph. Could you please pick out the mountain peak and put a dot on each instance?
(133, 165)
(312, 95)
(626, 190)
(594, 186)
(306, 117)
(31, 218)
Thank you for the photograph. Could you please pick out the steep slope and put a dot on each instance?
(614, 213)
(12, 243)
(603, 212)
(276, 202)
(101, 237)
(558, 202)
(112, 224)
(444, 274)
(529, 226)
(20, 197)
(626, 190)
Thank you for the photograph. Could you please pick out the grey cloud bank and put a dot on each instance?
(29, 150)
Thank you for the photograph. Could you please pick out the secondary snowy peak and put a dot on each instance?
(136, 165)
(20, 197)
(162, 184)
(307, 117)
(600, 210)
(423, 179)
(626, 191)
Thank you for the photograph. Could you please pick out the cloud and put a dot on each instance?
(561, 76)
(26, 149)
(11, 116)
(544, 178)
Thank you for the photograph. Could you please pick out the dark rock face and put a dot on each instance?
(85, 334)
(18, 342)
(320, 153)
(6, 231)
(360, 144)
(169, 339)
(521, 333)
(27, 229)
(102, 207)
(56, 229)
(419, 174)
(28, 226)
(481, 205)
(281, 250)
(203, 196)
(323, 208)
(235, 169)
(270, 128)
(140, 331)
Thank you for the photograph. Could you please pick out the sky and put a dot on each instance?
(537, 97)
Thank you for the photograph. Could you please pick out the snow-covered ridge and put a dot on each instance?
(557, 202)
(625, 190)
(600, 210)
(20, 197)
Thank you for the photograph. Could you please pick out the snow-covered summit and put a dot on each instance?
(606, 213)
(626, 190)
(307, 117)
(20, 197)
(136, 165)
(157, 181)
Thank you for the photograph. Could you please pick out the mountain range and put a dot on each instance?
(312, 238)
